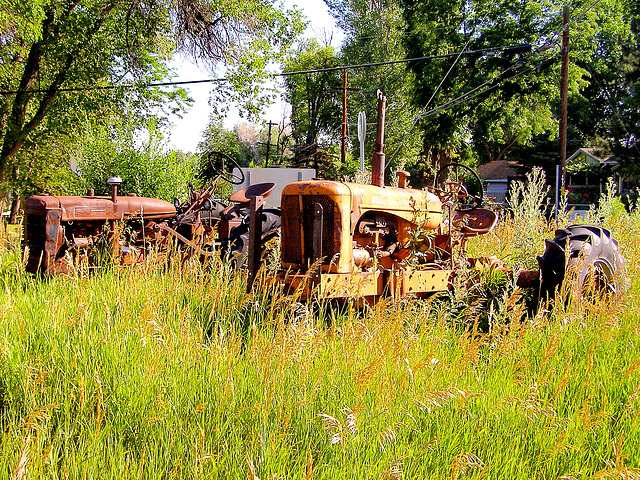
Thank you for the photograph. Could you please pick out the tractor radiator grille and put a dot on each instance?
(297, 245)
(34, 237)
(328, 218)
(291, 234)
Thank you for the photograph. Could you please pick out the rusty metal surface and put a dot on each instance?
(194, 245)
(255, 239)
(476, 222)
(85, 208)
(377, 165)
(245, 194)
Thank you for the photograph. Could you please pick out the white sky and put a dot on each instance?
(185, 133)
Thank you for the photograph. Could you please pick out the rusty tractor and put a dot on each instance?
(344, 240)
(59, 230)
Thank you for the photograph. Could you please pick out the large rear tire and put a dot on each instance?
(587, 252)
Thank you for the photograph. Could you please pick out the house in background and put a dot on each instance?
(497, 176)
(589, 170)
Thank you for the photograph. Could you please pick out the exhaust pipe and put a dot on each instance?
(114, 182)
(377, 170)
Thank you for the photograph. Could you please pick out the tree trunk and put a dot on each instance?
(15, 209)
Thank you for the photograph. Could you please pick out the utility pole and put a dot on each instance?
(343, 146)
(564, 87)
(270, 124)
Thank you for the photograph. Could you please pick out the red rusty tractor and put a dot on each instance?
(61, 229)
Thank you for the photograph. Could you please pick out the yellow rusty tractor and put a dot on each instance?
(349, 240)
(343, 239)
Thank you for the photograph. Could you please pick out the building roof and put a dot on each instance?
(588, 158)
(499, 169)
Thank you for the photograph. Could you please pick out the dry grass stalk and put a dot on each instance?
(336, 429)
(20, 471)
(463, 462)
(438, 398)
(309, 469)
(387, 437)
(252, 469)
(571, 476)
(33, 421)
(394, 470)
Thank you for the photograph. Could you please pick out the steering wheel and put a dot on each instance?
(225, 172)
(460, 186)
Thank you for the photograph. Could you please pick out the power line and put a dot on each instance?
(128, 86)
(584, 13)
(282, 74)
(435, 92)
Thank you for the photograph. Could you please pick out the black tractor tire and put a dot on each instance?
(238, 244)
(589, 252)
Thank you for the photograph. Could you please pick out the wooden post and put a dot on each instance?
(564, 86)
(343, 147)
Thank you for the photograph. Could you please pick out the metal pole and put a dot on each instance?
(564, 87)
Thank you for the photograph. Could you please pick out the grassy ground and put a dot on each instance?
(172, 371)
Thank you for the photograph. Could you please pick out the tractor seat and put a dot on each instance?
(475, 222)
(246, 193)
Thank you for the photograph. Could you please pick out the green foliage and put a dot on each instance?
(54, 53)
(315, 98)
(500, 99)
(374, 33)
(528, 202)
(139, 157)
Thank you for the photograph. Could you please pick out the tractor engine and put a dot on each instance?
(54, 225)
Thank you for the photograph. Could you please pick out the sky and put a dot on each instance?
(185, 133)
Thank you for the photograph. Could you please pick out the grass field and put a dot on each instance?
(172, 371)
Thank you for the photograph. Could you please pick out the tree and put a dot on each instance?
(54, 53)
(601, 107)
(314, 97)
(497, 96)
(373, 33)
(316, 113)
(138, 155)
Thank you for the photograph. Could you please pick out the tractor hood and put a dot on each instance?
(414, 206)
(100, 208)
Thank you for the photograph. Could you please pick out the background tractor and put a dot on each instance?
(59, 230)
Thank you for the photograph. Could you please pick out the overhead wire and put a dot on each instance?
(435, 92)
(281, 74)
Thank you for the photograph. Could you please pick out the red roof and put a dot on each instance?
(499, 169)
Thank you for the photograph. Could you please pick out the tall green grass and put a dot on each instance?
(170, 370)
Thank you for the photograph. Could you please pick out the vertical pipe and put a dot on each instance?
(564, 84)
(254, 260)
(377, 173)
